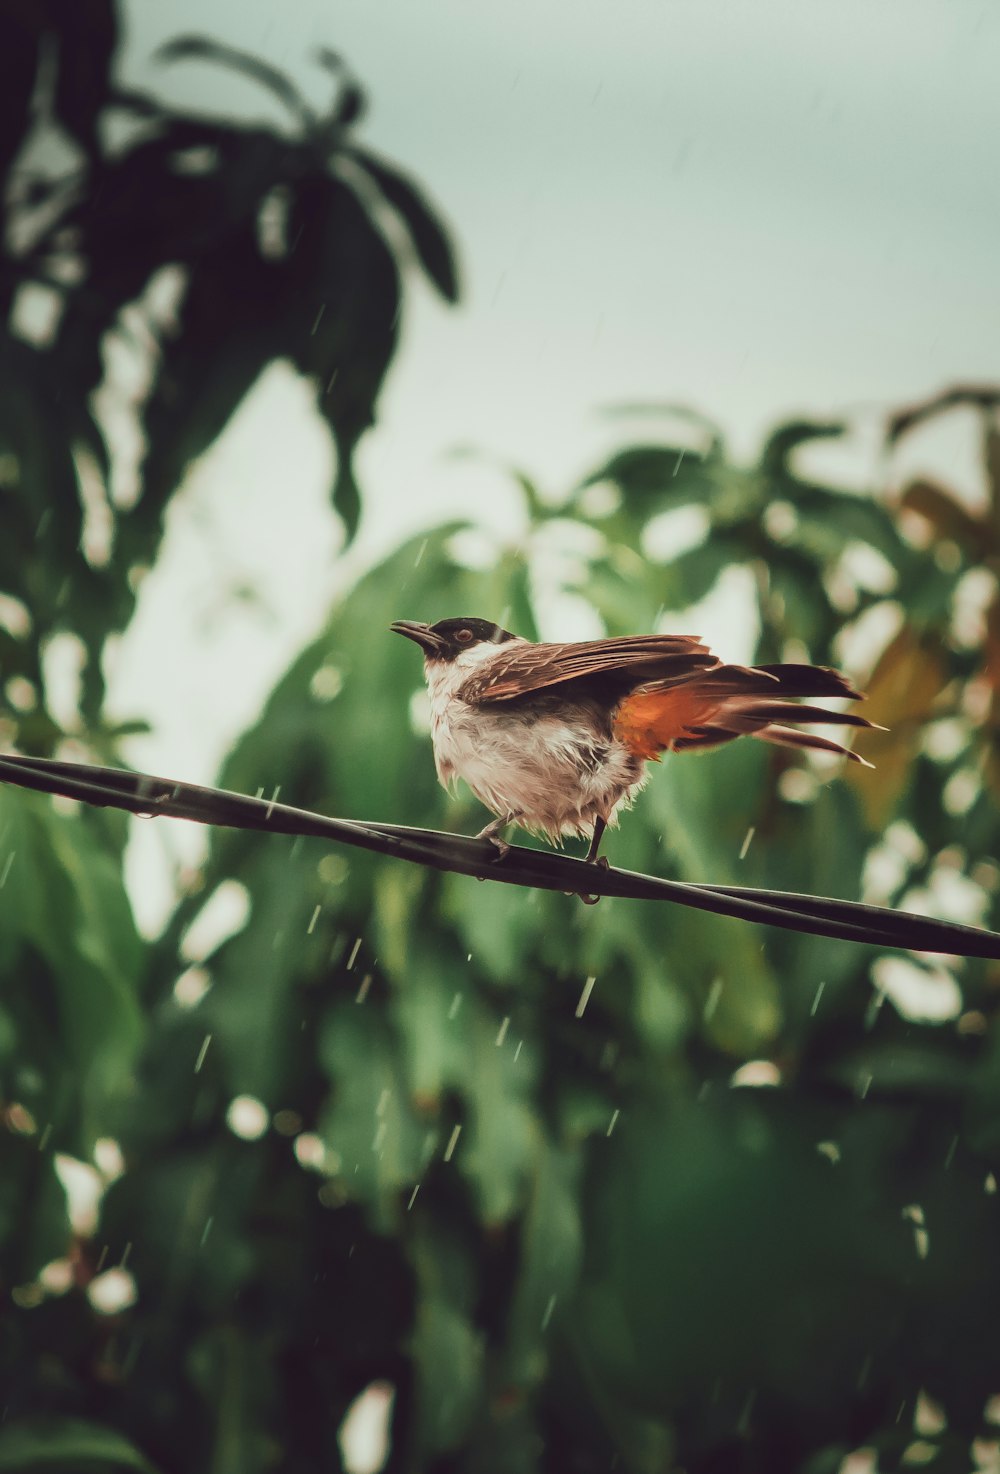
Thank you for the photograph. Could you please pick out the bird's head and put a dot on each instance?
(449, 638)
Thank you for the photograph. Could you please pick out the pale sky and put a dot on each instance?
(756, 209)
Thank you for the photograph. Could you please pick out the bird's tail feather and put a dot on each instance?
(735, 701)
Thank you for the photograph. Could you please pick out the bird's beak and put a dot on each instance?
(422, 634)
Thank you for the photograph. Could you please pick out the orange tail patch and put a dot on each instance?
(731, 702)
(650, 721)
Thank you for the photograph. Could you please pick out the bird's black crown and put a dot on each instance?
(456, 635)
(449, 637)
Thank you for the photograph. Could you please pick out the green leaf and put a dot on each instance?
(60, 1444)
(655, 470)
(369, 1123)
(430, 241)
(551, 1255)
(786, 439)
(69, 943)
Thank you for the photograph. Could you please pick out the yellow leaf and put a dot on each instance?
(911, 673)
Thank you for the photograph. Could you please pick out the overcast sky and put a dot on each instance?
(756, 209)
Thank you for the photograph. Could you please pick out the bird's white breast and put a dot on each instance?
(547, 765)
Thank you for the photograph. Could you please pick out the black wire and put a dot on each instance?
(143, 794)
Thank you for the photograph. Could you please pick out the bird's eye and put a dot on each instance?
(463, 636)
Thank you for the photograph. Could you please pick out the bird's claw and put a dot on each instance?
(605, 864)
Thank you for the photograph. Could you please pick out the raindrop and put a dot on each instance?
(362, 992)
(874, 1008)
(588, 988)
(449, 1150)
(354, 954)
(456, 1004)
(613, 1122)
(502, 1031)
(712, 1001)
(201, 1054)
(815, 1002)
(313, 920)
(743, 1422)
(413, 1196)
(6, 868)
(921, 1238)
(548, 1312)
(746, 842)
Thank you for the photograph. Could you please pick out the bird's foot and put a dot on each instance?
(492, 833)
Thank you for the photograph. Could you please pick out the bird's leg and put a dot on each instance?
(595, 844)
(492, 833)
(592, 856)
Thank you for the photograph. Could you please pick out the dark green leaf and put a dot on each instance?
(430, 241)
(58, 1444)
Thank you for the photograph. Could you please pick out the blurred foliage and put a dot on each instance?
(206, 249)
(349, 1124)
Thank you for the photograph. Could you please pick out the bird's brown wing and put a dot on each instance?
(520, 668)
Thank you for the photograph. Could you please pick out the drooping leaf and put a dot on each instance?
(340, 306)
(947, 517)
(902, 691)
(430, 242)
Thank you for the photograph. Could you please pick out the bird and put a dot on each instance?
(555, 737)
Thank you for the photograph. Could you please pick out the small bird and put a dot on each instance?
(555, 737)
